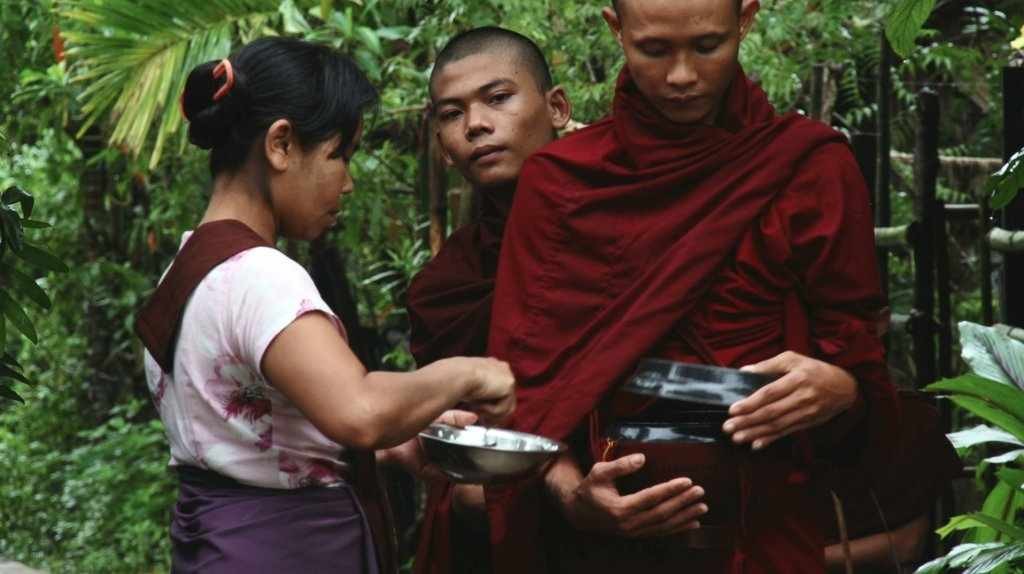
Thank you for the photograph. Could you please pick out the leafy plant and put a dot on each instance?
(994, 392)
(22, 264)
(1004, 185)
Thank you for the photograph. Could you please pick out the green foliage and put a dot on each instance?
(995, 534)
(101, 506)
(1004, 185)
(904, 23)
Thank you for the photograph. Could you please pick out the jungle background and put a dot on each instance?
(89, 126)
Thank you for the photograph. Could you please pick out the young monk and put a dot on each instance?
(272, 420)
(694, 224)
(494, 104)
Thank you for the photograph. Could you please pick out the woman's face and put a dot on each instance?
(308, 201)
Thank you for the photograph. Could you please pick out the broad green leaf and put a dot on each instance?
(904, 22)
(1000, 502)
(8, 393)
(13, 234)
(13, 311)
(27, 286)
(1004, 184)
(981, 558)
(326, 7)
(1006, 457)
(992, 354)
(9, 373)
(42, 259)
(981, 434)
(292, 19)
(7, 358)
(997, 403)
(14, 195)
(1012, 476)
(34, 224)
(369, 39)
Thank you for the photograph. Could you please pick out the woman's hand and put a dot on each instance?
(491, 387)
(808, 393)
(593, 502)
(409, 455)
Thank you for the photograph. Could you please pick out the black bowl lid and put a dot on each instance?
(702, 384)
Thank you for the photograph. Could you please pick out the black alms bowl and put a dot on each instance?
(482, 455)
(701, 384)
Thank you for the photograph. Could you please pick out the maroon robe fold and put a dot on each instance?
(632, 230)
(449, 305)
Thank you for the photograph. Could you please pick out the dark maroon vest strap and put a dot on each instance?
(211, 244)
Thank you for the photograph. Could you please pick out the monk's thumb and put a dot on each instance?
(622, 466)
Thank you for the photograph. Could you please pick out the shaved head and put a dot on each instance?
(618, 3)
(494, 40)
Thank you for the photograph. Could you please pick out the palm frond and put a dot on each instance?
(134, 56)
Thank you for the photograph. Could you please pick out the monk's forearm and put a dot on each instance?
(562, 479)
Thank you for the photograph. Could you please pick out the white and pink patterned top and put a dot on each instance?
(218, 411)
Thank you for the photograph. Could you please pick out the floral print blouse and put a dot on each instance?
(218, 411)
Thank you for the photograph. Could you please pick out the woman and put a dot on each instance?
(265, 406)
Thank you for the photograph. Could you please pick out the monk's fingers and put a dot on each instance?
(605, 472)
(768, 394)
(654, 496)
(678, 524)
(685, 507)
(778, 365)
(786, 424)
(769, 412)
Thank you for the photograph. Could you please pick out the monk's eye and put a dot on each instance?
(653, 49)
(499, 98)
(708, 46)
(448, 115)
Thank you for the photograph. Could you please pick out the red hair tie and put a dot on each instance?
(224, 67)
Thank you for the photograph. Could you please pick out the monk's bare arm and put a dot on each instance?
(313, 366)
(593, 502)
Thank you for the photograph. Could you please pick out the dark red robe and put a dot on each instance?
(449, 304)
(633, 238)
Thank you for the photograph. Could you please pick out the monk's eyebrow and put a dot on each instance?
(481, 90)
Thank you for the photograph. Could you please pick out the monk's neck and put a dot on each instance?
(494, 203)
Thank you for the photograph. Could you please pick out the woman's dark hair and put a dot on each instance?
(318, 89)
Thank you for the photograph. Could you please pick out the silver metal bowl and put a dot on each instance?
(482, 455)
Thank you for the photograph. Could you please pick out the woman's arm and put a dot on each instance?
(310, 363)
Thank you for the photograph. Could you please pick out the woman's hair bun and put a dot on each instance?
(211, 122)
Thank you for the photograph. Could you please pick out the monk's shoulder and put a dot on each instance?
(578, 146)
(559, 167)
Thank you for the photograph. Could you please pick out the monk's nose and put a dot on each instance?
(477, 122)
(682, 74)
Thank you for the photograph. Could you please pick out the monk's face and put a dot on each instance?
(682, 54)
(491, 115)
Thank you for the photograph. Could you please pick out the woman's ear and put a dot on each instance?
(279, 145)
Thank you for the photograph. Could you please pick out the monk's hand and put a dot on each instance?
(594, 503)
(808, 393)
(409, 455)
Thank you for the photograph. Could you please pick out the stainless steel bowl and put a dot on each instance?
(482, 455)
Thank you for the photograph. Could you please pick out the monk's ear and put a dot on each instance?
(444, 153)
(611, 17)
(747, 12)
(559, 107)
(279, 145)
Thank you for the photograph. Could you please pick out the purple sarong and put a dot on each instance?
(221, 526)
